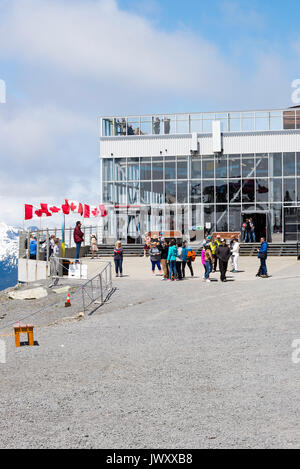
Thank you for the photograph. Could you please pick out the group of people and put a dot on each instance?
(171, 258)
(41, 247)
(216, 250)
(248, 231)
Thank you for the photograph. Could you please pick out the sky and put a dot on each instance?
(67, 62)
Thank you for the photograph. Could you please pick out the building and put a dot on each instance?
(205, 171)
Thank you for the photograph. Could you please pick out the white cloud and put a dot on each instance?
(96, 38)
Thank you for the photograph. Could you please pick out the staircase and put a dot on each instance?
(129, 250)
(279, 249)
(135, 250)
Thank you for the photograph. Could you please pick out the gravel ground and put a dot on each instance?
(176, 365)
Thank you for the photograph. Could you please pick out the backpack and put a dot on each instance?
(191, 255)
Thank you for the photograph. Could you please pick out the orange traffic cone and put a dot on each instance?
(68, 302)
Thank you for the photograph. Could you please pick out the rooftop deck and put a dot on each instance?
(174, 124)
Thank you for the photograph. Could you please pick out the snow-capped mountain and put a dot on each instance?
(9, 245)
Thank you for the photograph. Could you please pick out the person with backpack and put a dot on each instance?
(188, 256)
(172, 256)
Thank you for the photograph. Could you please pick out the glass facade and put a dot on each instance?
(200, 123)
(187, 193)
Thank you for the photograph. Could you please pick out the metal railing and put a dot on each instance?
(179, 123)
(98, 289)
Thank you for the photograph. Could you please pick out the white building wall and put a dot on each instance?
(232, 143)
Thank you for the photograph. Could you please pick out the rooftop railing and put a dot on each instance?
(174, 124)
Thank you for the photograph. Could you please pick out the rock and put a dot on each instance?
(30, 294)
(61, 290)
(80, 316)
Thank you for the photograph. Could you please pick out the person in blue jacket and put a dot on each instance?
(172, 256)
(33, 248)
(263, 255)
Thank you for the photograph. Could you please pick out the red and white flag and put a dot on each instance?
(76, 206)
(94, 211)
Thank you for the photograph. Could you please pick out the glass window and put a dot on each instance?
(196, 124)
(248, 190)
(234, 163)
(157, 192)
(146, 126)
(183, 124)
(234, 189)
(133, 193)
(145, 171)
(289, 120)
(208, 192)
(262, 190)
(133, 169)
(221, 192)
(222, 217)
(195, 168)
(276, 164)
(170, 192)
(108, 173)
(248, 169)
(208, 170)
(221, 167)
(289, 164)
(262, 166)
(120, 169)
(276, 218)
(195, 192)
(108, 193)
(275, 190)
(289, 194)
(157, 171)
(209, 218)
(235, 218)
(170, 170)
(298, 163)
(121, 194)
(182, 193)
(182, 170)
(262, 121)
(145, 192)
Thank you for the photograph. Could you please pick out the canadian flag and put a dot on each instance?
(76, 206)
(95, 210)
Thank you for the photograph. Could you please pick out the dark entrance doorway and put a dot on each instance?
(261, 226)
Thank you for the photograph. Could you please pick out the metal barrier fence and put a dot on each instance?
(98, 289)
